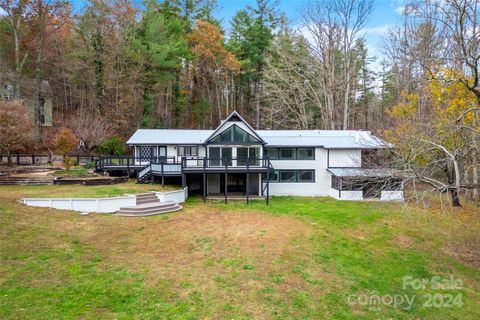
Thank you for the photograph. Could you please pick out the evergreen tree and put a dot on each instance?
(164, 47)
(251, 35)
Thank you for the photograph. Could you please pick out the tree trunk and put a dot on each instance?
(453, 178)
(454, 194)
(475, 179)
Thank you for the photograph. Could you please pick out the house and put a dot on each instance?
(236, 160)
(45, 112)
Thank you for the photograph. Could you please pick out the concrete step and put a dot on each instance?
(148, 209)
(145, 201)
(150, 196)
(146, 198)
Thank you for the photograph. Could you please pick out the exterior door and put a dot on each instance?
(226, 156)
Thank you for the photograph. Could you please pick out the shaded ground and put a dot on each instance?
(298, 258)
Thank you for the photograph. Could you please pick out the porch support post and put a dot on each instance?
(268, 187)
(163, 177)
(151, 174)
(339, 187)
(226, 184)
(184, 180)
(204, 186)
(247, 180)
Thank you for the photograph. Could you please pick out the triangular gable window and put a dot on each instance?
(234, 134)
(234, 117)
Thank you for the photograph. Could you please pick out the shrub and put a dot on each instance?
(112, 146)
(65, 141)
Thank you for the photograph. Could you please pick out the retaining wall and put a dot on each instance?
(101, 205)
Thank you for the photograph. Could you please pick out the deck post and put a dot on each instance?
(204, 187)
(268, 187)
(247, 180)
(163, 178)
(226, 182)
(340, 187)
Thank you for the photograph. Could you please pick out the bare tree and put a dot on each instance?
(16, 17)
(333, 27)
(90, 129)
(291, 83)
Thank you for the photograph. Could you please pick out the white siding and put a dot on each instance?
(345, 158)
(171, 151)
(391, 195)
(321, 186)
(351, 195)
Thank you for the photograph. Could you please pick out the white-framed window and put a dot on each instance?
(187, 151)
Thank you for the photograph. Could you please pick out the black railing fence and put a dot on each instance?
(44, 159)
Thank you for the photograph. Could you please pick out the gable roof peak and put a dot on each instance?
(234, 116)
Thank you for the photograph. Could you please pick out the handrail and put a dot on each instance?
(208, 162)
(144, 171)
(128, 161)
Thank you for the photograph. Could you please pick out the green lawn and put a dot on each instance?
(299, 258)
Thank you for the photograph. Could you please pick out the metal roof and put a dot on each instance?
(169, 136)
(329, 139)
(362, 172)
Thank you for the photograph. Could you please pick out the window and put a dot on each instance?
(226, 156)
(248, 153)
(292, 176)
(214, 155)
(234, 134)
(273, 176)
(287, 176)
(162, 151)
(287, 153)
(242, 156)
(306, 176)
(305, 154)
(187, 151)
(272, 153)
(146, 152)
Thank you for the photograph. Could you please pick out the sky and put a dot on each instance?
(386, 14)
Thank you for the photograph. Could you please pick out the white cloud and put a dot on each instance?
(2, 12)
(400, 10)
(377, 30)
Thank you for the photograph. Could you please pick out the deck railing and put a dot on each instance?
(229, 162)
(129, 161)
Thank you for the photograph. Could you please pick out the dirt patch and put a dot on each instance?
(356, 233)
(467, 250)
(192, 235)
(207, 250)
(402, 241)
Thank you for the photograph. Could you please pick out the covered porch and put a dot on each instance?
(229, 185)
(366, 183)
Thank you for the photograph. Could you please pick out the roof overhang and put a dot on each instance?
(363, 172)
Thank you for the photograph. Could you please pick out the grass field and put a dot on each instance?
(299, 258)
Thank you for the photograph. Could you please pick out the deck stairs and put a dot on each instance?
(158, 169)
(148, 205)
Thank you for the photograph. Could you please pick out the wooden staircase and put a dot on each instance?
(148, 205)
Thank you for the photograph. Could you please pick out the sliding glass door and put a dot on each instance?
(248, 153)
(220, 156)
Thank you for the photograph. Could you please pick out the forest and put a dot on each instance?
(115, 66)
